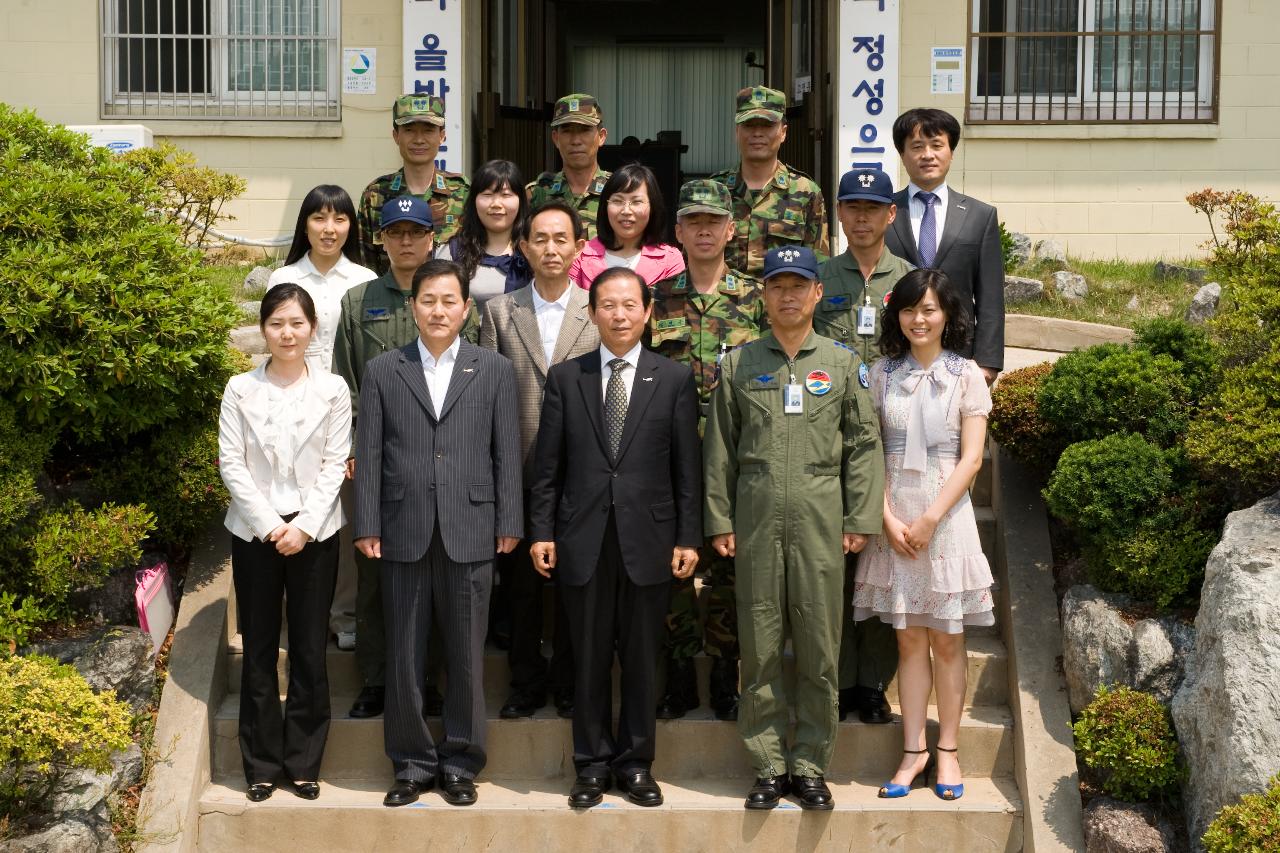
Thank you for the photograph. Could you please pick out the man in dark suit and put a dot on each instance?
(438, 492)
(616, 513)
(939, 228)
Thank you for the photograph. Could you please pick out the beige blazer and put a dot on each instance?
(509, 326)
(319, 462)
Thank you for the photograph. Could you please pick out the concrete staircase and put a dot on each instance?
(700, 764)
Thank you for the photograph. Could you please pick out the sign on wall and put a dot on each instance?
(359, 71)
(867, 97)
(433, 65)
(946, 71)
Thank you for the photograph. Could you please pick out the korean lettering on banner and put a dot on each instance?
(433, 65)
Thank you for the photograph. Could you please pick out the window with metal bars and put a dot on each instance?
(221, 59)
(1093, 61)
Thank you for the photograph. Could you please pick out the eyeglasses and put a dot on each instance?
(628, 203)
(405, 234)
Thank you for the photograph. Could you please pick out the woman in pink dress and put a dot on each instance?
(630, 232)
(926, 574)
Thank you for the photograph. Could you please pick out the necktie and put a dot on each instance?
(615, 405)
(928, 230)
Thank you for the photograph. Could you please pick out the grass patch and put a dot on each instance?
(1121, 293)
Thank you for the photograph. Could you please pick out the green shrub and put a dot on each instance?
(22, 453)
(1128, 736)
(1006, 248)
(1236, 442)
(1015, 419)
(193, 195)
(1253, 824)
(73, 548)
(1114, 388)
(1189, 346)
(1104, 489)
(175, 475)
(18, 618)
(50, 718)
(1162, 561)
(106, 326)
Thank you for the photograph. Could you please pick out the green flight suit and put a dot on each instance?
(789, 486)
(868, 649)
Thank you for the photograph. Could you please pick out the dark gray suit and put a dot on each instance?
(969, 253)
(437, 488)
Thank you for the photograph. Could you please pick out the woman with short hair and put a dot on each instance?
(630, 231)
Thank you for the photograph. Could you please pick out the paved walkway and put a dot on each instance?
(1015, 358)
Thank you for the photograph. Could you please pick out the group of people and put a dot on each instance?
(470, 379)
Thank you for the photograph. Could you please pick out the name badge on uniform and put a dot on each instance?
(792, 399)
(867, 320)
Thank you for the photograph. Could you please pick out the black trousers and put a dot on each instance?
(435, 591)
(611, 613)
(529, 669)
(292, 746)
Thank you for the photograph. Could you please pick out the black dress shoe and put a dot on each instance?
(457, 791)
(564, 704)
(369, 703)
(724, 688)
(432, 701)
(588, 791)
(523, 703)
(813, 793)
(405, 791)
(681, 695)
(766, 792)
(260, 791)
(874, 708)
(307, 790)
(640, 788)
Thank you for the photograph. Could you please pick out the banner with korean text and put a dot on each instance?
(868, 56)
(433, 65)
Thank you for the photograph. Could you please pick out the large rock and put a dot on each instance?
(1205, 303)
(1100, 646)
(1111, 826)
(1070, 285)
(1227, 711)
(82, 790)
(77, 832)
(249, 340)
(1018, 289)
(1174, 271)
(256, 281)
(1050, 254)
(1021, 254)
(115, 658)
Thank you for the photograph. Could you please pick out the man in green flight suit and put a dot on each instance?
(577, 132)
(855, 288)
(417, 128)
(699, 316)
(774, 205)
(794, 480)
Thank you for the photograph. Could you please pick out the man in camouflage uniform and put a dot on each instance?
(417, 127)
(855, 288)
(577, 133)
(773, 204)
(698, 316)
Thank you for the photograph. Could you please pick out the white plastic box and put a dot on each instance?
(117, 137)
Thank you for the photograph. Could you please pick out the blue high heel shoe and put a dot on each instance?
(890, 791)
(948, 792)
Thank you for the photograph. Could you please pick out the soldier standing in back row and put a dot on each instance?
(417, 128)
(699, 316)
(577, 133)
(774, 205)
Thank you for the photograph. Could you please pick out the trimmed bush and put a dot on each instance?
(1015, 419)
(1189, 346)
(1104, 489)
(1128, 736)
(1114, 388)
(1162, 561)
(73, 548)
(1253, 824)
(50, 718)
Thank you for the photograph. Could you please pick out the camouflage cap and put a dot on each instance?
(761, 102)
(704, 196)
(577, 109)
(411, 108)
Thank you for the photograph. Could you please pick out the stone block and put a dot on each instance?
(1019, 289)
(1070, 285)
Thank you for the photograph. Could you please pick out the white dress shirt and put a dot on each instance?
(326, 292)
(438, 373)
(550, 317)
(628, 375)
(939, 211)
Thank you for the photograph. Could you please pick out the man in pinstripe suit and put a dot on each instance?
(438, 493)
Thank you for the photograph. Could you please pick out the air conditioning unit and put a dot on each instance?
(117, 137)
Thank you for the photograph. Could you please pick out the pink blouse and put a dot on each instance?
(655, 264)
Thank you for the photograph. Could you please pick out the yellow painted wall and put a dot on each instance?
(1116, 197)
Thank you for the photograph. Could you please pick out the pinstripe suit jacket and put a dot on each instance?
(508, 324)
(462, 464)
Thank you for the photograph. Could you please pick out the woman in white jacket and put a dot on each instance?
(283, 441)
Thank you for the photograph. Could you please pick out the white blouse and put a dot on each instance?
(326, 291)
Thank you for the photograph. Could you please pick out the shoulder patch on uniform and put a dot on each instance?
(864, 377)
(671, 323)
(764, 380)
(887, 295)
(730, 283)
(842, 345)
(375, 313)
(781, 181)
(955, 363)
(598, 186)
(440, 183)
(838, 301)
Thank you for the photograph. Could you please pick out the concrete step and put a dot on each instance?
(532, 815)
(693, 747)
(988, 682)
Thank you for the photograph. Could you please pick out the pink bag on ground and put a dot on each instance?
(154, 598)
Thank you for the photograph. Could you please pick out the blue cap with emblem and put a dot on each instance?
(406, 208)
(796, 259)
(869, 184)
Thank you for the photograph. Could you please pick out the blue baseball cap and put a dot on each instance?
(406, 208)
(868, 184)
(797, 259)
